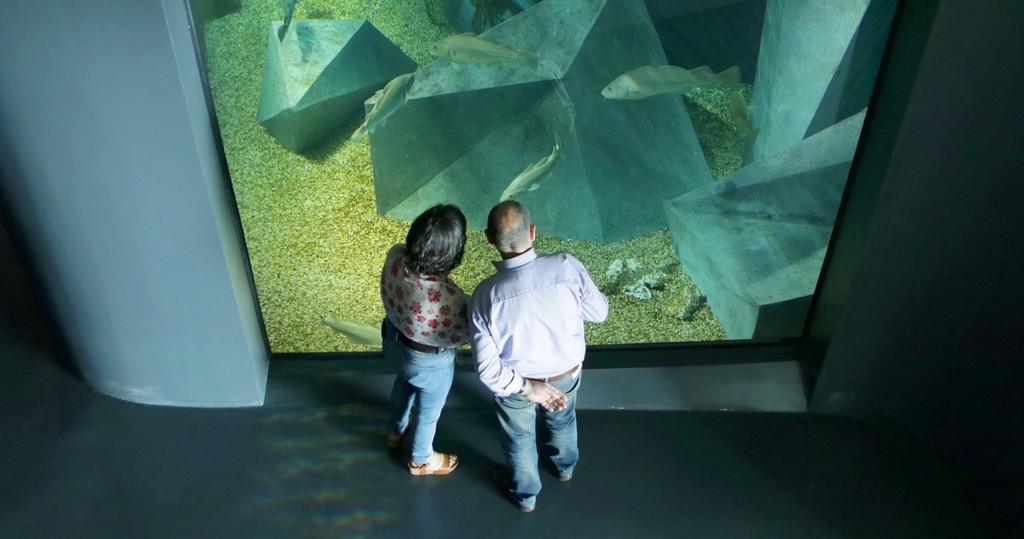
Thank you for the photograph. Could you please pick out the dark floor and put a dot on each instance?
(77, 464)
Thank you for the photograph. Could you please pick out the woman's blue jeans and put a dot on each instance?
(518, 418)
(422, 379)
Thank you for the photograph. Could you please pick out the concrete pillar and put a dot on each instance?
(109, 162)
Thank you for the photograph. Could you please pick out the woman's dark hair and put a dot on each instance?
(436, 240)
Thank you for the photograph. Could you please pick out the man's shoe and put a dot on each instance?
(565, 476)
(527, 508)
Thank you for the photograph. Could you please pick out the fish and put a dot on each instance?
(289, 10)
(532, 176)
(357, 332)
(390, 99)
(567, 105)
(740, 115)
(469, 48)
(648, 81)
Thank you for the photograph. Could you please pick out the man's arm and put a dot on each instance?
(501, 380)
(594, 304)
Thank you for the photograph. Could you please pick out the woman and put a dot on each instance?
(425, 323)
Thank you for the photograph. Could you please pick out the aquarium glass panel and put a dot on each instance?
(691, 153)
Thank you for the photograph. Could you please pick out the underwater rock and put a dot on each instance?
(685, 303)
(630, 279)
(817, 66)
(637, 290)
(464, 134)
(319, 75)
(614, 269)
(754, 241)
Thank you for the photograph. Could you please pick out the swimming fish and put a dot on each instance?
(740, 115)
(469, 48)
(646, 81)
(357, 332)
(532, 176)
(289, 9)
(388, 101)
(567, 105)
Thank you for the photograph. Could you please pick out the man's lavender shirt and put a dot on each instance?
(527, 320)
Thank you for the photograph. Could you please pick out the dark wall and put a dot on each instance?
(920, 317)
(20, 313)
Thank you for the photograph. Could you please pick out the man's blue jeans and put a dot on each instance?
(518, 418)
(422, 379)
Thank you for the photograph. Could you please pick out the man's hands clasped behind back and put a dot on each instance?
(546, 395)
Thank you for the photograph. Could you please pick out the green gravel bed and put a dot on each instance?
(316, 242)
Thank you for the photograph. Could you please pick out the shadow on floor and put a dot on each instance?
(78, 464)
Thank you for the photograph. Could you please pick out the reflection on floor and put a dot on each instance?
(78, 464)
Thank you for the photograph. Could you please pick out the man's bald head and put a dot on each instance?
(509, 227)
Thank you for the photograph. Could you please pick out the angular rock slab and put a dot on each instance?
(850, 89)
(461, 13)
(318, 77)
(465, 133)
(803, 45)
(754, 241)
(719, 33)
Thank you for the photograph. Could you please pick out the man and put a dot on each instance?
(527, 338)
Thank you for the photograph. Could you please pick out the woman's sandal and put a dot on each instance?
(440, 464)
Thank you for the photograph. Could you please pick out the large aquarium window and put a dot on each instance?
(691, 153)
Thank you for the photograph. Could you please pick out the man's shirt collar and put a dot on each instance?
(516, 261)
